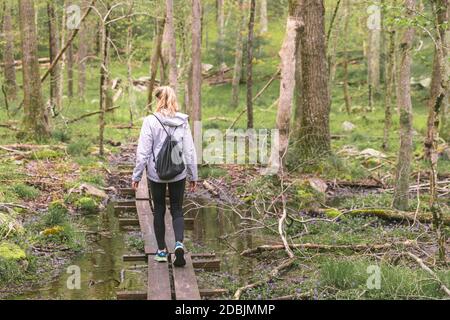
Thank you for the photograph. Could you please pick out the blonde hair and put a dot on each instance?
(167, 101)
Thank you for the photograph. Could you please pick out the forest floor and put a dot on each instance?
(36, 184)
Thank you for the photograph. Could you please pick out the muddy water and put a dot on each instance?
(103, 272)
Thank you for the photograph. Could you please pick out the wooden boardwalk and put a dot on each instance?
(161, 276)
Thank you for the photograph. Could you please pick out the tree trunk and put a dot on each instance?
(82, 55)
(401, 193)
(263, 21)
(173, 70)
(287, 86)
(389, 87)
(298, 84)
(373, 54)
(220, 31)
(70, 79)
(314, 134)
(129, 54)
(251, 27)
(8, 54)
(154, 62)
(104, 82)
(55, 90)
(438, 98)
(347, 98)
(196, 87)
(237, 70)
(36, 121)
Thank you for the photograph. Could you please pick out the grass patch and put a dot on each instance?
(26, 192)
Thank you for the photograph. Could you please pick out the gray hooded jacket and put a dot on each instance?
(152, 139)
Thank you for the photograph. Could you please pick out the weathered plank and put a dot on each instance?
(141, 295)
(128, 222)
(207, 264)
(186, 287)
(158, 287)
(203, 256)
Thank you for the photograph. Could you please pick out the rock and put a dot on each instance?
(318, 184)
(11, 251)
(348, 126)
(93, 191)
(372, 153)
(206, 67)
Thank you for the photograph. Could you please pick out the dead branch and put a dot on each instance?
(274, 273)
(326, 247)
(90, 114)
(431, 272)
(68, 43)
(272, 79)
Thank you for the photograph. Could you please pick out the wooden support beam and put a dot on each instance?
(128, 222)
(207, 264)
(125, 203)
(125, 209)
(126, 191)
(143, 258)
(141, 295)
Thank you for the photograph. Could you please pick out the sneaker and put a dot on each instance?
(179, 255)
(161, 256)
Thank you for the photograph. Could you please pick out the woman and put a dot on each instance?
(155, 130)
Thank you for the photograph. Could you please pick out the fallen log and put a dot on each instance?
(327, 247)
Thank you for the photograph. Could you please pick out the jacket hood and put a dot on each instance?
(176, 121)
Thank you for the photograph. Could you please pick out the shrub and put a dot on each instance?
(57, 214)
(47, 154)
(79, 148)
(26, 192)
(87, 205)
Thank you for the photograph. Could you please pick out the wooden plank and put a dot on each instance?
(125, 203)
(134, 258)
(146, 223)
(186, 287)
(158, 287)
(142, 191)
(125, 209)
(209, 293)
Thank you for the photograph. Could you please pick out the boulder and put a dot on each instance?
(348, 126)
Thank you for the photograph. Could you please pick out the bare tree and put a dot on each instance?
(104, 77)
(8, 53)
(220, 30)
(287, 84)
(314, 133)
(36, 121)
(401, 194)
(83, 46)
(155, 59)
(347, 98)
(374, 46)
(237, 70)
(251, 27)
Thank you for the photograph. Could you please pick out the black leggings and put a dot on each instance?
(176, 195)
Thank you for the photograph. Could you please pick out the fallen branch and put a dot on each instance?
(327, 247)
(8, 126)
(90, 114)
(210, 188)
(274, 273)
(431, 272)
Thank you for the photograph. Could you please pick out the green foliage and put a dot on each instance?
(87, 205)
(11, 251)
(61, 135)
(79, 148)
(47, 154)
(57, 214)
(137, 243)
(348, 278)
(26, 192)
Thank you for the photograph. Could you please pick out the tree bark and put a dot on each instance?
(263, 21)
(55, 74)
(70, 63)
(389, 87)
(401, 192)
(237, 70)
(251, 27)
(373, 54)
(104, 81)
(220, 31)
(173, 69)
(287, 85)
(83, 45)
(196, 87)
(36, 121)
(8, 54)
(314, 134)
(347, 98)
